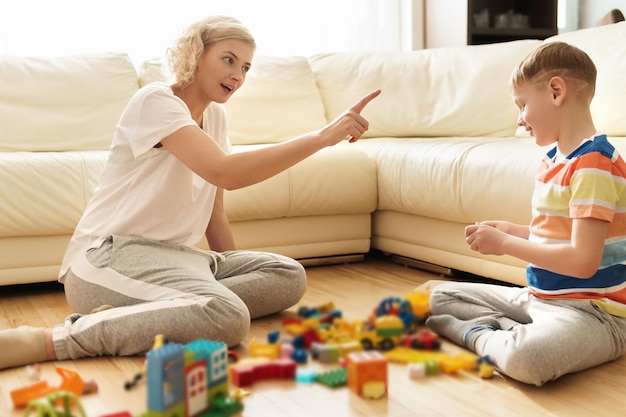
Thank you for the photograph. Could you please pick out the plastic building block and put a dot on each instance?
(185, 380)
(485, 370)
(246, 374)
(166, 379)
(325, 353)
(33, 372)
(399, 307)
(306, 376)
(273, 337)
(242, 376)
(298, 342)
(366, 367)
(233, 357)
(90, 387)
(462, 361)
(432, 367)
(486, 367)
(300, 356)
(349, 347)
(384, 332)
(307, 312)
(223, 406)
(417, 370)
(264, 350)
(425, 340)
(333, 378)
(286, 350)
(47, 406)
(310, 336)
(70, 382)
(420, 304)
(22, 396)
(374, 390)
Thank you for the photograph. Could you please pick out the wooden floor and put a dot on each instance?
(355, 289)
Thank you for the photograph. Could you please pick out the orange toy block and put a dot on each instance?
(365, 368)
(70, 382)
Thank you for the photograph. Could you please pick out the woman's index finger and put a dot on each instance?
(360, 105)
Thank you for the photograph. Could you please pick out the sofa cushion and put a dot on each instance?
(606, 47)
(432, 92)
(45, 193)
(64, 103)
(336, 180)
(457, 179)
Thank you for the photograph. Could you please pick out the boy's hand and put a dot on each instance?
(485, 239)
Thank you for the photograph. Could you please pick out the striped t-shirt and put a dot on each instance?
(589, 183)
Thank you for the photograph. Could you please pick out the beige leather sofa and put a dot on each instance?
(442, 151)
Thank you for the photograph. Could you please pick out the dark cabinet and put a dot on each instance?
(490, 21)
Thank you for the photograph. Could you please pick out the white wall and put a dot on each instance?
(446, 23)
(412, 33)
(592, 10)
(145, 28)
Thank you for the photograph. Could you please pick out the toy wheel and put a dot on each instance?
(367, 344)
(387, 344)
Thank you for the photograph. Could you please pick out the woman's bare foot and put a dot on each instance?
(25, 345)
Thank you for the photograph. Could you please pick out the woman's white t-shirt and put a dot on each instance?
(145, 191)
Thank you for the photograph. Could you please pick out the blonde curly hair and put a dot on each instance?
(183, 56)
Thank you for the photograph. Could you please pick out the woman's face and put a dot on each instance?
(222, 68)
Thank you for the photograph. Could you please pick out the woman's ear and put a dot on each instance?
(558, 88)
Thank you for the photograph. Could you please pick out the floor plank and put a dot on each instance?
(355, 289)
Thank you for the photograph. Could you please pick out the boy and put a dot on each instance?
(572, 315)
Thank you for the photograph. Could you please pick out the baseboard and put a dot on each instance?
(414, 263)
(332, 260)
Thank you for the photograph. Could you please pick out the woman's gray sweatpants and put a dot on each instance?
(540, 340)
(178, 291)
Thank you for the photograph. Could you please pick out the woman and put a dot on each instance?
(131, 270)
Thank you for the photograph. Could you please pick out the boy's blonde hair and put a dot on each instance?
(197, 38)
(557, 59)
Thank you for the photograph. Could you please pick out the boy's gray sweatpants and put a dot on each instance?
(178, 291)
(540, 340)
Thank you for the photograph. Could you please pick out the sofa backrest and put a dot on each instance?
(74, 103)
(456, 91)
(278, 101)
(65, 103)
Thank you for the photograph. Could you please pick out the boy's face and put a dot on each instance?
(536, 111)
(222, 68)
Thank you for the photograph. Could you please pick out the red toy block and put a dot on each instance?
(310, 336)
(247, 374)
(292, 320)
(242, 376)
